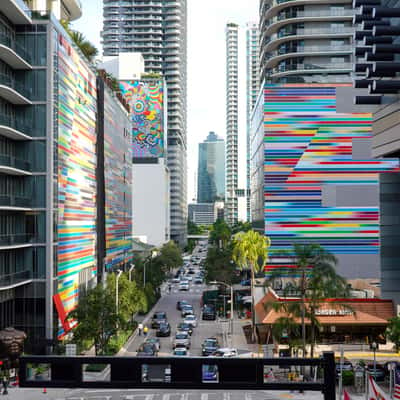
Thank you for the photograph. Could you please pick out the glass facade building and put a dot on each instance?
(211, 170)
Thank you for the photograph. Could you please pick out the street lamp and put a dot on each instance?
(152, 255)
(119, 273)
(130, 270)
(231, 288)
(374, 347)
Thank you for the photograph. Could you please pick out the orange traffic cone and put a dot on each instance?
(44, 390)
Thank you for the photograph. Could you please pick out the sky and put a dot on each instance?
(206, 70)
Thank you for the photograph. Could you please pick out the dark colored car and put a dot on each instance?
(191, 271)
(155, 341)
(185, 328)
(164, 329)
(147, 350)
(379, 374)
(245, 282)
(159, 316)
(180, 303)
(208, 313)
(209, 346)
(186, 309)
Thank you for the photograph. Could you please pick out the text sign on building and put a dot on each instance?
(333, 312)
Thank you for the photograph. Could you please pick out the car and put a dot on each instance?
(189, 278)
(176, 280)
(164, 329)
(210, 373)
(147, 350)
(183, 326)
(245, 282)
(208, 313)
(184, 285)
(180, 303)
(378, 373)
(209, 346)
(191, 320)
(155, 341)
(186, 309)
(225, 352)
(191, 271)
(182, 339)
(159, 316)
(198, 280)
(181, 351)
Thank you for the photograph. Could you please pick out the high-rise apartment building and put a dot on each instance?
(67, 10)
(211, 170)
(311, 42)
(252, 89)
(157, 29)
(232, 127)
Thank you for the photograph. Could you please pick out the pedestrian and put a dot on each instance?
(145, 330)
(140, 328)
(169, 288)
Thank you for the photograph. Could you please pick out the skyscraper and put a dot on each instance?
(232, 94)
(211, 170)
(157, 29)
(306, 43)
(252, 89)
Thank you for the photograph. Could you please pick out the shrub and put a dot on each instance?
(348, 378)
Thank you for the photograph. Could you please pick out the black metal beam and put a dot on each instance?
(362, 67)
(359, 3)
(370, 73)
(385, 12)
(386, 30)
(367, 99)
(370, 40)
(360, 35)
(361, 50)
(382, 66)
(371, 90)
(386, 48)
(366, 25)
(362, 83)
(386, 85)
(379, 57)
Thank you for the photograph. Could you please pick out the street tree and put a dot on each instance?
(219, 265)
(250, 251)
(393, 331)
(97, 318)
(220, 234)
(170, 256)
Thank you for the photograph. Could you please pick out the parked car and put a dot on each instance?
(208, 313)
(164, 329)
(159, 316)
(209, 346)
(147, 350)
(155, 341)
(182, 339)
(187, 309)
(181, 351)
(184, 285)
(191, 320)
(180, 303)
(378, 373)
(225, 352)
(183, 326)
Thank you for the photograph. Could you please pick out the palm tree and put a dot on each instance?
(250, 251)
(314, 279)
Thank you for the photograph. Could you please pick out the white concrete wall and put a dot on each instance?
(125, 66)
(150, 202)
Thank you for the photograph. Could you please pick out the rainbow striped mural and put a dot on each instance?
(308, 148)
(146, 99)
(76, 159)
(118, 182)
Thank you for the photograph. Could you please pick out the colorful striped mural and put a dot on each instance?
(118, 182)
(308, 151)
(76, 160)
(146, 99)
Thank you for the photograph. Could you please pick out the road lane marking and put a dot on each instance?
(227, 396)
(204, 396)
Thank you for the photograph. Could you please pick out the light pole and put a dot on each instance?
(152, 255)
(231, 288)
(374, 346)
(130, 270)
(119, 273)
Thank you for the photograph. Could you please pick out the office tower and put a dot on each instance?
(205, 213)
(157, 29)
(232, 94)
(313, 176)
(211, 170)
(311, 42)
(67, 10)
(252, 89)
(50, 176)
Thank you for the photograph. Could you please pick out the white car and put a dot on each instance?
(184, 285)
(181, 351)
(190, 320)
(175, 280)
(189, 278)
(226, 352)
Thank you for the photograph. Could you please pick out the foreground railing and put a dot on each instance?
(317, 374)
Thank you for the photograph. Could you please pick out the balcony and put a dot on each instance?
(16, 10)
(311, 69)
(13, 53)
(13, 128)
(13, 91)
(8, 201)
(16, 279)
(14, 166)
(15, 240)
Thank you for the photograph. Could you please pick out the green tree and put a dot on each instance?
(241, 227)
(97, 318)
(219, 265)
(250, 251)
(220, 234)
(393, 331)
(313, 280)
(170, 256)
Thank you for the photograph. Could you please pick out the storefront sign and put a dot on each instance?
(333, 312)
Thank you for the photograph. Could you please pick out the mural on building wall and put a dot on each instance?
(118, 183)
(76, 159)
(146, 99)
(309, 149)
